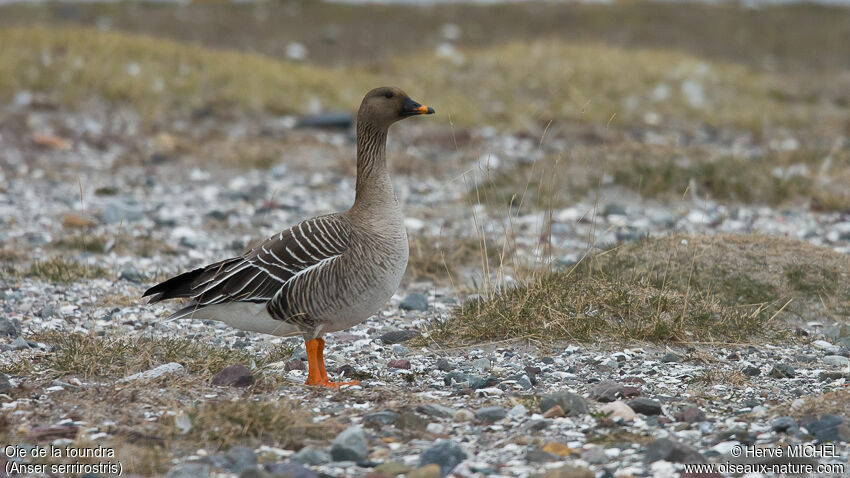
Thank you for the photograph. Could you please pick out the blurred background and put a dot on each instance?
(701, 148)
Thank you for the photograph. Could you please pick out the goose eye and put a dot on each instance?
(388, 94)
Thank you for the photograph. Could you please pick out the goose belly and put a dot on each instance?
(366, 291)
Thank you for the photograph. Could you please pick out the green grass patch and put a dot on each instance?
(58, 269)
(92, 356)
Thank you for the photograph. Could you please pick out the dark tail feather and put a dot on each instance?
(177, 286)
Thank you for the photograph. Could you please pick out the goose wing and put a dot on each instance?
(257, 275)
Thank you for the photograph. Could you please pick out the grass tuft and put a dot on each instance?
(58, 269)
(92, 356)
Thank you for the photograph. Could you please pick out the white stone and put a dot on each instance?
(172, 368)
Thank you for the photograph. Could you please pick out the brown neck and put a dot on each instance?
(373, 180)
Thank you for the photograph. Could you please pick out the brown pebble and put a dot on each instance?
(554, 412)
(399, 363)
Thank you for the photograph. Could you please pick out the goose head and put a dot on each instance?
(385, 105)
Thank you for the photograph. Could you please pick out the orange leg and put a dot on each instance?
(316, 373)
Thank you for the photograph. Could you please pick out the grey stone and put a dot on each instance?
(691, 415)
(385, 417)
(670, 357)
(189, 470)
(606, 391)
(131, 274)
(782, 370)
(455, 377)
(311, 456)
(836, 361)
(444, 365)
(445, 453)
(254, 473)
(123, 210)
(240, 458)
(646, 406)
(751, 371)
(414, 301)
(411, 421)
(19, 344)
(537, 455)
(595, 456)
(398, 336)
(5, 385)
(399, 349)
(783, 424)
(491, 414)
(10, 328)
(290, 470)
(233, 376)
(572, 404)
(830, 428)
(436, 410)
(673, 451)
(481, 364)
(483, 382)
(350, 445)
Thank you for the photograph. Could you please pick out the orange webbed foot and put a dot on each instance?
(316, 373)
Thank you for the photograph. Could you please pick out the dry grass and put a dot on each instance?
(571, 82)
(738, 270)
(576, 307)
(89, 356)
(813, 177)
(674, 289)
(275, 423)
(143, 246)
(444, 259)
(835, 402)
(59, 269)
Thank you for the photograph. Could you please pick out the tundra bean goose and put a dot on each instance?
(324, 274)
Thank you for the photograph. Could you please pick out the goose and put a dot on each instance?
(323, 274)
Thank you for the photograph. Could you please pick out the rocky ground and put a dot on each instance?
(121, 210)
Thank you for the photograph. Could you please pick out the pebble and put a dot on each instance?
(606, 391)
(233, 376)
(436, 410)
(427, 471)
(571, 404)
(570, 471)
(690, 415)
(445, 453)
(10, 328)
(481, 364)
(414, 301)
(311, 456)
(385, 417)
(491, 414)
(398, 336)
(645, 406)
(826, 346)
(618, 410)
(393, 468)
(240, 458)
(172, 368)
(670, 357)
(517, 412)
(830, 428)
(5, 385)
(836, 361)
(595, 455)
(783, 424)
(290, 469)
(671, 450)
(189, 470)
(444, 365)
(399, 363)
(782, 370)
(350, 445)
(464, 415)
(123, 210)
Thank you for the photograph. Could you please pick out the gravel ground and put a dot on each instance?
(499, 410)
